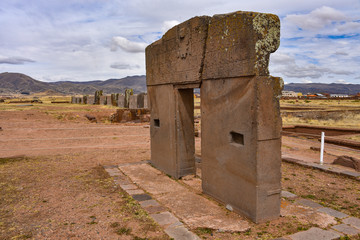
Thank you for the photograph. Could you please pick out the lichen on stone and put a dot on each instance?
(267, 27)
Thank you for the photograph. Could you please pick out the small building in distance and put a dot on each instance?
(338, 95)
(291, 94)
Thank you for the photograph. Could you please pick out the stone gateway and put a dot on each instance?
(227, 57)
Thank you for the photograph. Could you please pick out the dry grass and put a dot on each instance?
(321, 103)
(346, 120)
(330, 190)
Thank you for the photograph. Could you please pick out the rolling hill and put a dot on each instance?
(17, 83)
(350, 89)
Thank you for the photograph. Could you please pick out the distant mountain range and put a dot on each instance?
(350, 89)
(16, 83)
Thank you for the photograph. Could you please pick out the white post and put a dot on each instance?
(322, 148)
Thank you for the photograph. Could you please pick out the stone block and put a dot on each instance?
(351, 174)
(347, 161)
(164, 218)
(135, 192)
(141, 197)
(155, 209)
(287, 194)
(315, 233)
(177, 57)
(346, 229)
(308, 203)
(352, 221)
(133, 102)
(102, 100)
(121, 101)
(90, 100)
(172, 145)
(240, 43)
(128, 186)
(148, 203)
(333, 212)
(180, 233)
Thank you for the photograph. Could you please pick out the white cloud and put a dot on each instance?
(70, 39)
(168, 25)
(349, 27)
(123, 66)
(126, 45)
(342, 81)
(306, 81)
(316, 19)
(15, 60)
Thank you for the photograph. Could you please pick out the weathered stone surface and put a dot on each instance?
(180, 233)
(241, 43)
(232, 151)
(102, 100)
(333, 212)
(315, 233)
(177, 57)
(347, 161)
(135, 192)
(128, 186)
(172, 141)
(227, 56)
(287, 194)
(308, 203)
(351, 174)
(133, 102)
(306, 215)
(90, 100)
(155, 209)
(346, 229)
(141, 197)
(121, 101)
(164, 218)
(193, 209)
(355, 222)
(148, 203)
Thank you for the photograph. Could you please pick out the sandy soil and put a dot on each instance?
(52, 183)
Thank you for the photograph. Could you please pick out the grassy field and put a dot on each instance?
(330, 113)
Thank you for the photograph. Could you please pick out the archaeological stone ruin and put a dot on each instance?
(226, 56)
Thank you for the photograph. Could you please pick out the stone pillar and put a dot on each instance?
(102, 100)
(146, 105)
(133, 102)
(121, 101)
(90, 100)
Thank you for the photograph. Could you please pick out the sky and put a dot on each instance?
(84, 40)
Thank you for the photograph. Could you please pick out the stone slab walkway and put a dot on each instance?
(193, 209)
(171, 224)
(178, 207)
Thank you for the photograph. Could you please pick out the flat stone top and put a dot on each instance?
(315, 233)
(204, 48)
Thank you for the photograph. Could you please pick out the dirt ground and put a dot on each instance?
(52, 185)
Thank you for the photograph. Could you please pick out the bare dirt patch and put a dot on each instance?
(330, 190)
(52, 185)
(55, 186)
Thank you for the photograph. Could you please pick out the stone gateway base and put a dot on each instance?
(226, 56)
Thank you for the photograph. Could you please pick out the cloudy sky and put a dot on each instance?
(82, 40)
